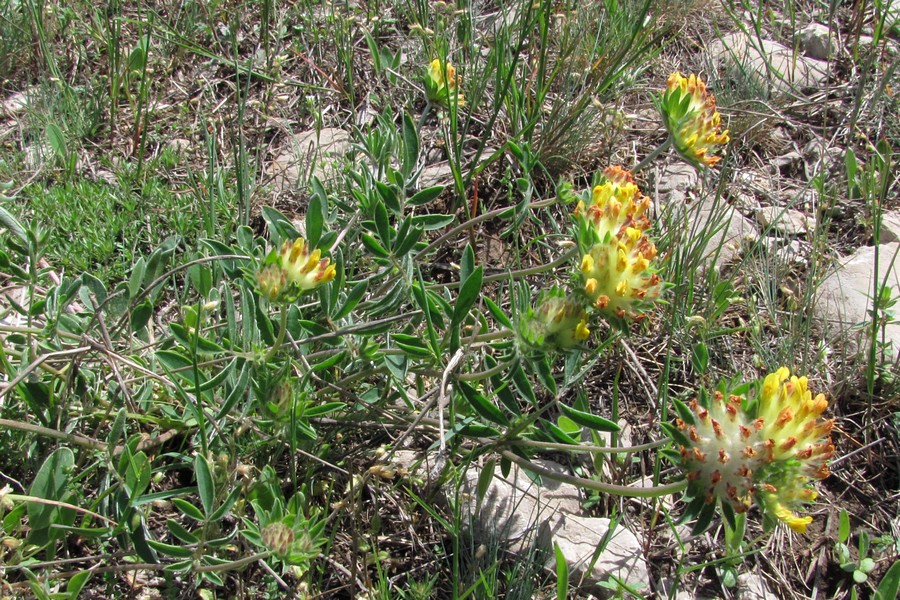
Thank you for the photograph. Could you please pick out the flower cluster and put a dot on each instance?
(294, 270)
(442, 84)
(557, 321)
(617, 254)
(734, 451)
(689, 112)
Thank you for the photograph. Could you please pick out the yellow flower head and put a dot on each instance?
(689, 113)
(293, 270)
(441, 89)
(734, 451)
(304, 269)
(617, 255)
(557, 321)
(272, 280)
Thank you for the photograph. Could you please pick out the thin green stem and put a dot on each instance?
(282, 328)
(653, 155)
(424, 116)
(607, 488)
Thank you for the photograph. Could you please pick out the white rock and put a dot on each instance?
(844, 298)
(580, 537)
(771, 63)
(16, 103)
(753, 587)
(309, 153)
(437, 174)
(890, 227)
(518, 506)
(818, 41)
(676, 181)
(727, 230)
(785, 221)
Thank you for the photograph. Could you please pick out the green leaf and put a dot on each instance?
(433, 221)
(137, 474)
(425, 196)
(466, 263)
(586, 419)
(545, 374)
(50, 483)
(140, 316)
(844, 526)
(482, 405)
(485, 478)
(76, 584)
(889, 588)
(176, 529)
(188, 509)
(11, 223)
(560, 435)
(279, 225)
(353, 297)
(498, 313)
(373, 246)
(226, 506)
(205, 485)
(136, 280)
(562, 573)
(57, 140)
(315, 220)
(382, 224)
(171, 550)
(468, 293)
(201, 277)
(700, 357)
(410, 146)
(403, 247)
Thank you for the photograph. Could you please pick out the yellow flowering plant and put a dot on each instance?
(689, 113)
(767, 449)
(616, 272)
(292, 271)
(442, 84)
(557, 321)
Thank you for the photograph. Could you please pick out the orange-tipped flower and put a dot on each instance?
(770, 451)
(305, 269)
(442, 84)
(617, 255)
(293, 270)
(689, 112)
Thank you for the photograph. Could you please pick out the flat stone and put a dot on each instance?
(890, 226)
(309, 153)
(785, 221)
(437, 174)
(732, 234)
(579, 538)
(750, 586)
(16, 103)
(676, 181)
(730, 230)
(517, 506)
(818, 41)
(844, 298)
(771, 63)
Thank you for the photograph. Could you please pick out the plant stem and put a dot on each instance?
(282, 328)
(652, 156)
(608, 488)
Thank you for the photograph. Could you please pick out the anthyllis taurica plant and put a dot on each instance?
(331, 330)
(749, 443)
(756, 442)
